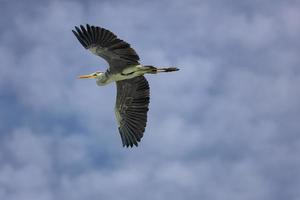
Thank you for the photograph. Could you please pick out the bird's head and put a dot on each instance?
(92, 75)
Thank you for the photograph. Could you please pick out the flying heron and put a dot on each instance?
(124, 68)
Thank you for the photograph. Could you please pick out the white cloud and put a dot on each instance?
(222, 127)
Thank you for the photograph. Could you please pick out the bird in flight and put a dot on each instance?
(124, 68)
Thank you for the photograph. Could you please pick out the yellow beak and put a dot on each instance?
(88, 76)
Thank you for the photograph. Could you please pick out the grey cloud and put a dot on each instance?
(225, 126)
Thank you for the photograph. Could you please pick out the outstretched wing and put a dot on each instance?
(131, 109)
(104, 43)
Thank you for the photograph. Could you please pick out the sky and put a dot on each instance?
(226, 126)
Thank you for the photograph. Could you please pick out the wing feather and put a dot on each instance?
(80, 39)
(131, 109)
(105, 44)
(90, 32)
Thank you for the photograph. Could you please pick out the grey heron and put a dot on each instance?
(124, 68)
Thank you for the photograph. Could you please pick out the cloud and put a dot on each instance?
(224, 126)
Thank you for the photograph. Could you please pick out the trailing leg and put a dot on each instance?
(154, 70)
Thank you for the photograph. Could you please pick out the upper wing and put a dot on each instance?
(104, 43)
(131, 109)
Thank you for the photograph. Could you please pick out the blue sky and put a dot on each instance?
(224, 127)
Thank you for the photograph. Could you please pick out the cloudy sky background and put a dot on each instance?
(224, 127)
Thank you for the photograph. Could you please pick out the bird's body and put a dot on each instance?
(124, 69)
(130, 72)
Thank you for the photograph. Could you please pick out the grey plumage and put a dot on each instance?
(105, 44)
(132, 107)
(133, 90)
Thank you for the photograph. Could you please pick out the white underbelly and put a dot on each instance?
(129, 73)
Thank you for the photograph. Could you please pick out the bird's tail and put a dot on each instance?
(154, 70)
